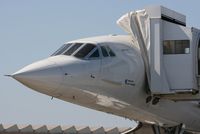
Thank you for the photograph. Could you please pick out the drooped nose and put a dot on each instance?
(43, 76)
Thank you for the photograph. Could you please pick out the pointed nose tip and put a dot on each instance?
(8, 75)
(43, 76)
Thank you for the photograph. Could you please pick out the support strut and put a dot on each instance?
(156, 129)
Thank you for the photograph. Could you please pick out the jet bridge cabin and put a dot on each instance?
(170, 50)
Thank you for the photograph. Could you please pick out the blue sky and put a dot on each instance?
(33, 30)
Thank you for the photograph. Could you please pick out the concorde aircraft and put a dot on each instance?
(145, 76)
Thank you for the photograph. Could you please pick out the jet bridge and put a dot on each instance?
(170, 50)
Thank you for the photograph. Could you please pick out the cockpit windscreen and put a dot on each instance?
(72, 49)
(61, 49)
(79, 50)
(85, 51)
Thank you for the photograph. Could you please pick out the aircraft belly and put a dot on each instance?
(110, 105)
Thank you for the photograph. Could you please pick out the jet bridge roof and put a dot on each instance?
(166, 14)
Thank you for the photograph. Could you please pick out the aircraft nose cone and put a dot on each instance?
(43, 76)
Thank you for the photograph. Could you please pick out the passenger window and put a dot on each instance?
(73, 49)
(111, 53)
(62, 49)
(95, 54)
(104, 52)
(85, 51)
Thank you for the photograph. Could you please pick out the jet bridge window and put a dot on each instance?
(72, 49)
(85, 51)
(62, 49)
(176, 47)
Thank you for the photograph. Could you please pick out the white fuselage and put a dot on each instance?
(113, 84)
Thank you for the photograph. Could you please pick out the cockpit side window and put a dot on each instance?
(73, 49)
(111, 53)
(104, 51)
(85, 51)
(62, 49)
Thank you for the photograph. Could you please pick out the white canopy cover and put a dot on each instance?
(137, 24)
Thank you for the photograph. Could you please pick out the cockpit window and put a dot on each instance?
(85, 51)
(72, 49)
(104, 52)
(95, 54)
(111, 53)
(62, 49)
